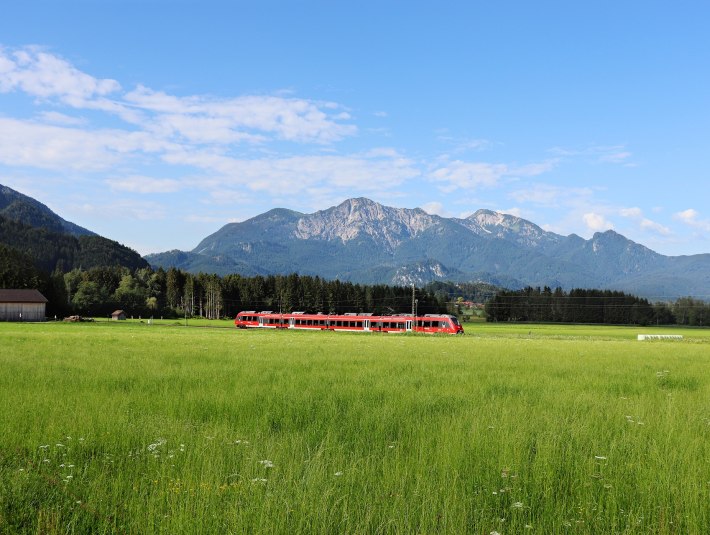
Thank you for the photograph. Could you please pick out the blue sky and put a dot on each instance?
(156, 122)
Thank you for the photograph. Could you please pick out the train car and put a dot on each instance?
(351, 322)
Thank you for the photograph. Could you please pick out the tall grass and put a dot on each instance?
(145, 429)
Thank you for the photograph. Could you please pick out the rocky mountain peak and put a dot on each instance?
(359, 218)
(493, 224)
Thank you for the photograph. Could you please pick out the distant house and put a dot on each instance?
(118, 315)
(22, 305)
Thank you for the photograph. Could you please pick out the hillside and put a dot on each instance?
(23, 209)
(363, 241)
(29, 228)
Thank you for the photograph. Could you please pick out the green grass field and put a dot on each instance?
(136, 428)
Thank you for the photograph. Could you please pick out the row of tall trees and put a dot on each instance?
(593, 306)
(172, 293)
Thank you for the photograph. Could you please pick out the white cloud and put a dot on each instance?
(156, 123)
(644, 223)
(634, 212)
(435, 208)
(195, 119)
(469, 175)
(296, 174)
(596, 222)
(54, 117)
(123, 208)
(517, 212)
(617, 154)
(45, 75)
(647, 224)
(144, 184)
(231, 120)
(460, 174)
(620, 156)
(552, 196)
(690, 218)
(30, 144)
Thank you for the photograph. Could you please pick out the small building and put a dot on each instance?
(22, 305)
(118, 315)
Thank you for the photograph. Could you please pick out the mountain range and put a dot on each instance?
(363, 241)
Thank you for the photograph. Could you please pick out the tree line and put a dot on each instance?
(146, 292)
(593, 306)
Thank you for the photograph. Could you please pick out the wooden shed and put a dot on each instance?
(118, 315)
(22, 305)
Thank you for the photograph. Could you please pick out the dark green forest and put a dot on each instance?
(593, 306)
(53, 250)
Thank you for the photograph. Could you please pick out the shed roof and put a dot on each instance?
(117, 312)
(21, 296)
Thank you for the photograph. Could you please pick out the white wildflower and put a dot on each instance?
(155, 445)
(266, 463)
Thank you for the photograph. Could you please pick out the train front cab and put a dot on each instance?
(435, 323)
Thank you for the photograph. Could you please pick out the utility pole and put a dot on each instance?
(413, 301)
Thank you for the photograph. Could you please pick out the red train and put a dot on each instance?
(430, 323)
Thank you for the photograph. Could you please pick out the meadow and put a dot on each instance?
(162, 428)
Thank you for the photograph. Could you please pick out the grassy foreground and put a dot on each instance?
(131, 428)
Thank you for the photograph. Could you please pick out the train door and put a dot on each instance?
(366, 325)
(261, 321)
(291, 322)
(409, 325)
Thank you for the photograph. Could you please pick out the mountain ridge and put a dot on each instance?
(19, 207)
(363, 241)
